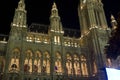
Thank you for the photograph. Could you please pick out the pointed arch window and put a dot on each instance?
(57, 40)
(46, 63)
(69, 65)
(14, 62)
(94, 68)
(76, 65)
(58, 64)
(84, 66)
(37, 62)
(28, 61)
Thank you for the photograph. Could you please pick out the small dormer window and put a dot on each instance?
(29, 38)
(38, 40)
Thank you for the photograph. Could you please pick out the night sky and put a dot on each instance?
(38, 11)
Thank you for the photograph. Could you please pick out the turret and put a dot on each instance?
(113, 22)
(17, 36)
(56, 31)
(55, 22)
(19, 19)
(19, 23)
(91, 14)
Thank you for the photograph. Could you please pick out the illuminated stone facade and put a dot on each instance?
(30, 55)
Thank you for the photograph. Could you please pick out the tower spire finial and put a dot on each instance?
(55, 18)
(112, 17)
(113, 22)
(19, 19)
(54, 10)
(21, 5)
(54, 6)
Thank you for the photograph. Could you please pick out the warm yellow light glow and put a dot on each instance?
(76, 65)
(58, 64)
(57, 40)
(69, 65)
(46, 63)
(84, 66)
(95, 68)
(81, 7)
(14, 63)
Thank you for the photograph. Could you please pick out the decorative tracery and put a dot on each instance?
(28, 61)
(58, 64)
(14, 62)
(76, 65)
(69, 64)
(37, 62)
(46, 63)
(84, 66)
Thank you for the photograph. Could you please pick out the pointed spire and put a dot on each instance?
(21, 5)
(55, 21)
(112, 17)
(54, 11)
(113, 22)
(20, 17)
(54, 7)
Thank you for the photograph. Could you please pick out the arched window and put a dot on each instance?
(94, 68)
(2, 64)
(84, 66)
(46, 63)
(58, 64)
(69, 64)
(76, 65)
(28, 61)
(37, 62)
(14, 62)
(57, 40)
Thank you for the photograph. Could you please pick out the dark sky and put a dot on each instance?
(38, 11)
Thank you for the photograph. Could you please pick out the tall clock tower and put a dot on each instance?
(93, 24)
(91, 13)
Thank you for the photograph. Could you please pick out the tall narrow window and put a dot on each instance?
(58, 65)
(76, 65)
(57, 40)
(28, 61)
(95, 67)
(69, 65)
(46, 63)
(14, 63)
(37, 62)
(84, 66)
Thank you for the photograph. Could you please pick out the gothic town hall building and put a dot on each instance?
(30, 54)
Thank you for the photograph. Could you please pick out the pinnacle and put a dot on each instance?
(54, 5)
(112, 17)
